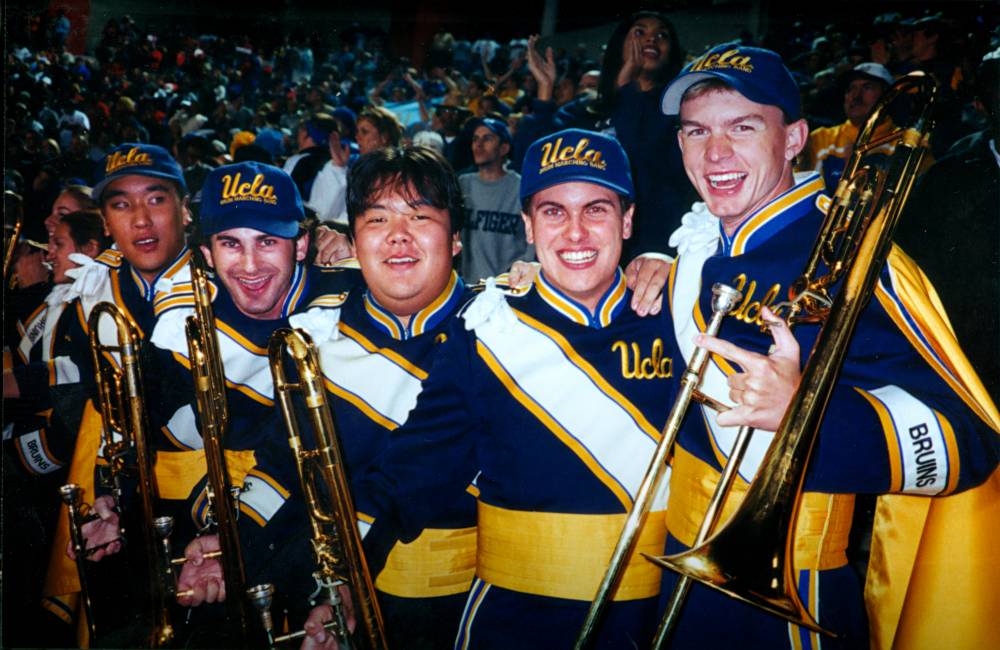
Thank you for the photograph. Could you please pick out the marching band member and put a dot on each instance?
(143, 200)
(42, 431)
(551, 401)
(42, 352)
(253, 232)
(908, 414)
(405, 215)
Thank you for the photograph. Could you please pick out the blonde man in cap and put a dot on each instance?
(904, 417)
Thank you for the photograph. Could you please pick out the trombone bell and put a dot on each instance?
(731, 562)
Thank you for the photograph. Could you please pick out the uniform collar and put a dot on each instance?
(608, 307)
(790, 206)
(297, 291)
(148, 289)
(424, 320)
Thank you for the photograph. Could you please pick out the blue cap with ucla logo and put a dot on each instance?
(575, 155)
(756, 73)
(138, 159)
(250, 195)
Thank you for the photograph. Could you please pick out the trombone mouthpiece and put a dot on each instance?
(70, 493)
(725, 297)
(164, 526)
(261, 595)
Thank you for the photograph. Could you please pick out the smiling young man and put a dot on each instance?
(549, 401)
(405, 215)
(253, 233)
(143, 201)
(904, 416)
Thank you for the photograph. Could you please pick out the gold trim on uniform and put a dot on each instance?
(440, 562)
(516, 553)
(820, 534)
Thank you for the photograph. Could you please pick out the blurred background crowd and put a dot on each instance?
(213, 91)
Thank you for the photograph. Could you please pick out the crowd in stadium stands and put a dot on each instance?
(206, 97)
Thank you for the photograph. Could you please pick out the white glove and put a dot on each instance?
(699, 230)
(88, 278)
(490, 307)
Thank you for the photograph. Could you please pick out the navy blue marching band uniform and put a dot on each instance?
(554, 413)
(258, 457)
(110, 278)
(896, 421)
(39, 434)
(42, 442)
(373, 367)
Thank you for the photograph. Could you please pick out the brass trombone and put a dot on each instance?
(124, 431)
(72, 495)
(11, 200)
(335, 538)
(750, 558)
(724, 300)
(210, 394)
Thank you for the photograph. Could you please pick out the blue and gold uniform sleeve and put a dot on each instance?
(33, 381)
(909, 414)
(429, 459)
(171, 401)
(38, 448)
(78, 346)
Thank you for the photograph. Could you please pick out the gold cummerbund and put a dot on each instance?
(440, 562)
(177, 472)
(563, 555)
(820, 534)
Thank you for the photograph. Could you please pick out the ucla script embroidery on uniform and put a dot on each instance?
(749, 310)
(634, 366)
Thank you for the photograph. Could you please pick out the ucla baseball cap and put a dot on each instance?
(497, 126)
(575, 155)
(756, 73)
(250, 195)
(134, 158)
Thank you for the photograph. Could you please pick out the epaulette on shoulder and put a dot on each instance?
(336, 279)
(328, 300)
(180, 295)
(346, 263)
(503, 284)
(111, 258)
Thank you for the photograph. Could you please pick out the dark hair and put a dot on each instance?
(195, 146)
(323, 122)
(423, 169)
(607, 87)
(85, 226)
(385, 122)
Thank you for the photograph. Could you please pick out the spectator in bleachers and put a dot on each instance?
(378, 127)
(829, 147)
(493, 236)
(642, 55)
